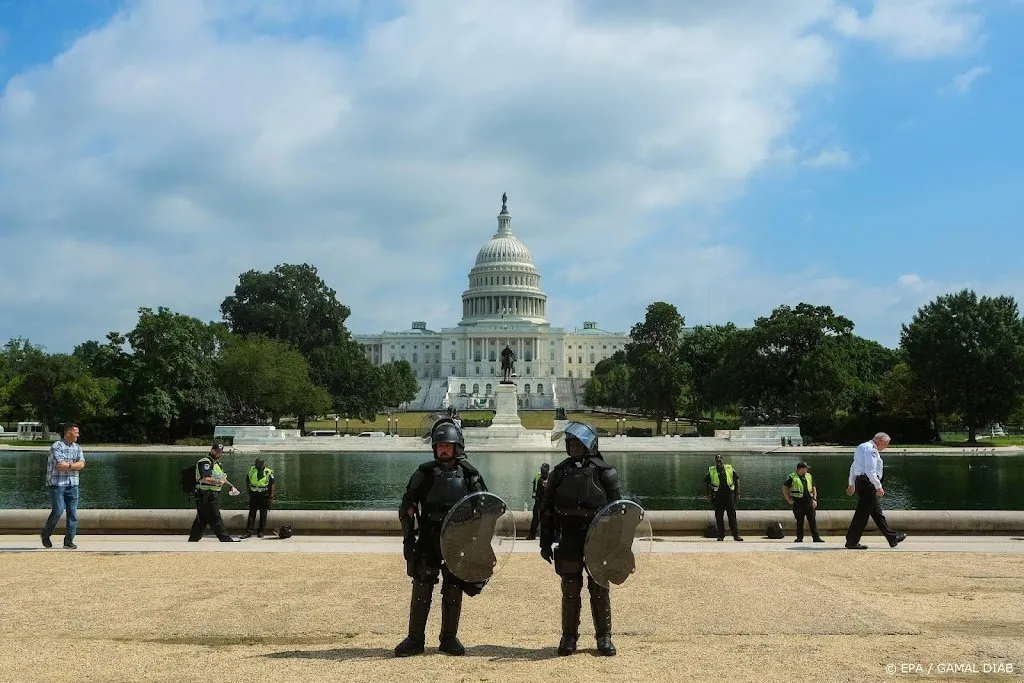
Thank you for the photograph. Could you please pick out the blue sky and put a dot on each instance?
(860, 154)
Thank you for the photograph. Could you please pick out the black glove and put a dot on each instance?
(546, 552)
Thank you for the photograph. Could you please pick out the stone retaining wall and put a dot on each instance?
(382, 522)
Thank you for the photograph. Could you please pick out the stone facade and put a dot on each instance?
(503, 305)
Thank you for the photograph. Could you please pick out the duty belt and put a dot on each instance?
(259, 489)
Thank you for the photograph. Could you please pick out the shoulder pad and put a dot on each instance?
(427, 466)
(599, 462)
(466, 465)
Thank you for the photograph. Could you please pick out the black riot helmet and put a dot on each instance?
(545, 467)
(446, 431)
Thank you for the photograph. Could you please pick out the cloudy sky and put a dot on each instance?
(727, 157)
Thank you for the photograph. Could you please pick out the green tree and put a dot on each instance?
(658, 375)
(703, 350)
(610, 383)
(291, 304)
(169, 381)
(16, 357)
(902, 393)
(398, 383)
(352, 381)
(60, 389)
(267, 376)
(971, 351)
(792, 362)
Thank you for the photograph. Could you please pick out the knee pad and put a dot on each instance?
(572, 586)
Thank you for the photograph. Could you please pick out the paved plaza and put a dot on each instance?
(156, 608)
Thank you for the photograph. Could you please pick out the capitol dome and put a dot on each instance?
(504, 283)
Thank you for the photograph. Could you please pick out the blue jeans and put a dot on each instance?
(63, 498)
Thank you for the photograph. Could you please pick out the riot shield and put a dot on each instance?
(477, 537)
(427, 424)
(618, 544)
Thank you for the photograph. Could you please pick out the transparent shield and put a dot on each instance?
(427, 423)
(618, 544)
(477, 537)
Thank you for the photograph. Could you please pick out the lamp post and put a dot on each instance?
(335, 423)
(346, 424)
(677, 426)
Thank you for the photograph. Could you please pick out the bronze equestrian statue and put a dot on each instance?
(508, 364)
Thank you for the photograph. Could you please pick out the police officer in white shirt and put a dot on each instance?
(866, 479)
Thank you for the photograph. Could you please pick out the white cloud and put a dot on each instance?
(916, 29)
(962, 82)
(831, 157)
(183, 143)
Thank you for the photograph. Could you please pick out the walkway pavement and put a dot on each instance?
(392, 544)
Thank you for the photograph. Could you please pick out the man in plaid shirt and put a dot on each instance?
(62, 468)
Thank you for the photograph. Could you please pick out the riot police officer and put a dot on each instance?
(577, 489)
(434, 488)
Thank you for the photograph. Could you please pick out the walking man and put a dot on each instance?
(539, 480)
(722, 483)
(62, 467)
(260, 484)
(801, 493)
(209, 480)
(866, 480)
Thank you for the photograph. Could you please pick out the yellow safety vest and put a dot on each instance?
(257, 483)
(796, 489)
(217, 473)
(715, 483)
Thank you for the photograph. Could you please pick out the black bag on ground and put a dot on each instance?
(711, 530)
(774, 530)
(284, 532)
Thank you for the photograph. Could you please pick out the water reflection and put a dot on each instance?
(658, 481)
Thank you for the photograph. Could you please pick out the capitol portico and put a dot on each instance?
(503, 305)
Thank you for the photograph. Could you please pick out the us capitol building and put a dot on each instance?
(504, 304)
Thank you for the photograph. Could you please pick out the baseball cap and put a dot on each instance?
(218, 446)
(802, 464)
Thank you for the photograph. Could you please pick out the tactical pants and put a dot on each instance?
(208, 514)
(568, 557)
(425, 568)
(725, 503)
(804, 507)
(259, 501)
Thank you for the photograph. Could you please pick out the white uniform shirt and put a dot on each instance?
(867, 461)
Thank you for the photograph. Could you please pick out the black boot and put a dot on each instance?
(601, 610)
(571, 605)
(419, 610)
(451, 609)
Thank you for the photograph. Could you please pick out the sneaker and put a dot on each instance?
(70, 545)
(737, 538)
(798, 540)
(247, 534)
(856, 546)
(47, 543)
(900, 537)
(819, 539)
(259, 534)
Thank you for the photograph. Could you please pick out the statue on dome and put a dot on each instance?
(508, 364)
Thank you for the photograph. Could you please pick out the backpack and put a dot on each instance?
(187, 479)
(774, 530)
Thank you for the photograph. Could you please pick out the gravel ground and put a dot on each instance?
(826, 616)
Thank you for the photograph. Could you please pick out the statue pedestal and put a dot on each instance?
(506, 408)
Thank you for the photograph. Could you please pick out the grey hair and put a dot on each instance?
(882, 436)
